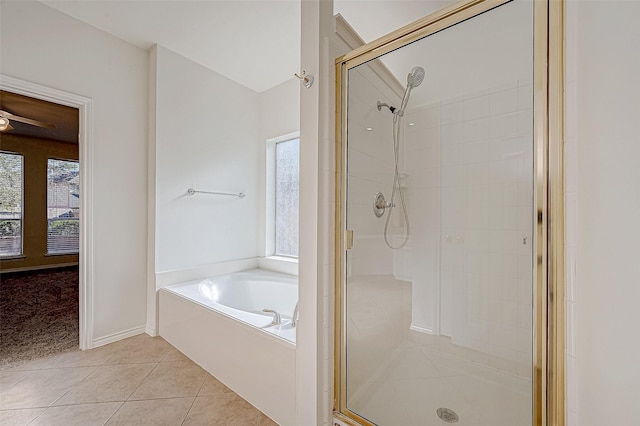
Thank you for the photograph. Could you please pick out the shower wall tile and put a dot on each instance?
(476, 152)
(525, 96)
(430, 117)
(478, 173)
(451, 113)
(504, 125)
(453, 176)
(504, 101)
(451, 134)
(476, 107)
(452, 154)
(475, 130)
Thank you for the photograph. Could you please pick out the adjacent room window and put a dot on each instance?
(63, 206)
(11, 201)
(287, 183)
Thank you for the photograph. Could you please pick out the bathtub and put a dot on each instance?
(218, 322)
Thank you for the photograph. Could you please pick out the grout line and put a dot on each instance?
(114, 413)
(143, 379)
(74, 386)
(34, 419)
(189, 410)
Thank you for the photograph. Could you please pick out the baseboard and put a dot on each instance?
(101, 341)
(421, 329)
(150, 331)
(38, 267)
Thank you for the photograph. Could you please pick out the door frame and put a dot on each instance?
(85, 151)
(548, 283)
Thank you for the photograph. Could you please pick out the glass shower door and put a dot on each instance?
(439, 198)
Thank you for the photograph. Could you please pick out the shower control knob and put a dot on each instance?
(379, 204)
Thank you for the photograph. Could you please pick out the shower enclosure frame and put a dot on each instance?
(548, 271)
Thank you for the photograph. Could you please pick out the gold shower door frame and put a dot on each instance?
(548, 271)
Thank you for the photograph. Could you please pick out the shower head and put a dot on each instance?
(415, 77)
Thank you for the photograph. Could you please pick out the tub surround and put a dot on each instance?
(242, 349)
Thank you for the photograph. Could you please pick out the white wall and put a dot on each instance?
(207, 138)
(41, 45)
(603, 207)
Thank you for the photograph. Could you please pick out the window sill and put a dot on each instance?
(283, 259)
(285, 265)
(16, 257)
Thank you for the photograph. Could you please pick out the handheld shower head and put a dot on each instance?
(415, 77)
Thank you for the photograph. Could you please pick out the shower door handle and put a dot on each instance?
(348, 243)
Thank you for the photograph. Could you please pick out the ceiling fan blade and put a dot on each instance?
(26, 120)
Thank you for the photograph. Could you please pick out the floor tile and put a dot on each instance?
(9, 377)
(171, 380)
(19, 417)
(158, 412)
(175, 355)
(264, 420)
(108, 383)
(34, 364)
(43, 388)
(212, 386)
(140, 349)
(77, 415)
(87, 358)
(221, 410)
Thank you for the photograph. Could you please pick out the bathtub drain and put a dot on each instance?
(447, 415)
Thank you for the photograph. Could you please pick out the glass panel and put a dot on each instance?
(287, 189)
(63, 206)
(439, 287)
(11, 200)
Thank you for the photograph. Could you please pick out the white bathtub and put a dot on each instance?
(218, 322)
(243, 296)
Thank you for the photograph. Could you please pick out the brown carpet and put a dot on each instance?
(38, 314)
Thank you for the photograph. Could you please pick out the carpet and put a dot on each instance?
(38, 314)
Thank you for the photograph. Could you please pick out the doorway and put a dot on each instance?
(84, 107)
(39, 227)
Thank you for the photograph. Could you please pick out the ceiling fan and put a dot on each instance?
(7, 117)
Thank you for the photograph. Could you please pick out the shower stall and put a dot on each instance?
(441, 296)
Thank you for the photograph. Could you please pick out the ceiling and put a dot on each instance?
(253, 42)
(65, 119)
(375, 18)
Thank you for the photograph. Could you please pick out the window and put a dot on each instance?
(63, 206)
(11, 200)
(287, 183)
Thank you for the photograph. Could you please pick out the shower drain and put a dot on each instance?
(447, 415)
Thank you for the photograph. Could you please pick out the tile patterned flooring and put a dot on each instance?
(138, 381)
(397, 376)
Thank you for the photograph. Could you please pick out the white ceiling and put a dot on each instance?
(253, 42)
(375, 18)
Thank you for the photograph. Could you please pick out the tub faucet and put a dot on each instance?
(294, 317)
(276, 316)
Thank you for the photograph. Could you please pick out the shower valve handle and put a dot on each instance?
(380, 204)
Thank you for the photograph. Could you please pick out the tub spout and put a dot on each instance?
(294, 317)
(276, 316)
